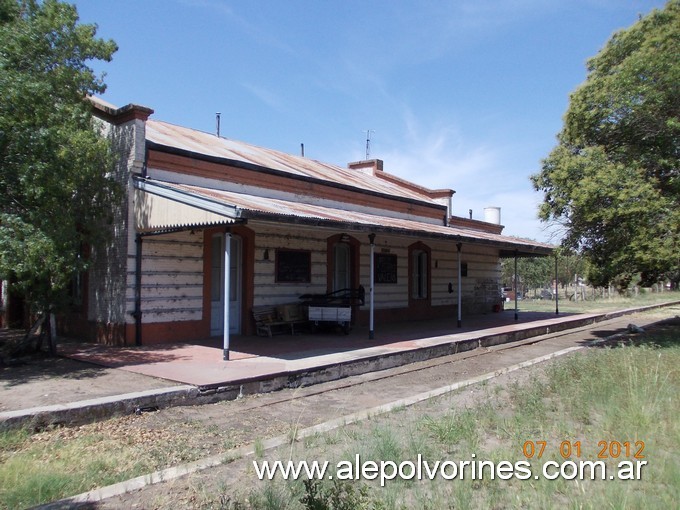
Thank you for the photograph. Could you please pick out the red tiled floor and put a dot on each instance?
(201, 364)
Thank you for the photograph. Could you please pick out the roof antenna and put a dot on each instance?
(368, 142)
(217, 119)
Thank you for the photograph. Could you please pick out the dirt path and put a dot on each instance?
(226, 425)
(47, 381)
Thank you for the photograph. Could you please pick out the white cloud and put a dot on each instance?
(440, 156)
(254, 26)
(221, 7)
(267, 96)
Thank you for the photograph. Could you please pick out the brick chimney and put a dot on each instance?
(370, 166)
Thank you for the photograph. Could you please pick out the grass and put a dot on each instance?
(259, 448)
(453, 428)
(625, 393)
(36, 474)
(611, 394)
(57, 463)
(594, 303)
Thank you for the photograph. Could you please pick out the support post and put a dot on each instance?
(460, 287)
(516, 310)
(53, 334)
(138, 289)
(371, 330)
(227, 274)
(557, 306)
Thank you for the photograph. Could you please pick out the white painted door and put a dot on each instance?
(217, 286)
(341, 269)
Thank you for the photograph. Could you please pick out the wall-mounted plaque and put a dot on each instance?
(385, 268)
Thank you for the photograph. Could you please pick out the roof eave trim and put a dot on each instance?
(251, 166)
(119, 115)
(503, 246)
(220, 208)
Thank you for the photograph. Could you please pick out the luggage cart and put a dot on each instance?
(334, 308)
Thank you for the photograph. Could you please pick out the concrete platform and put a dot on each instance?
(265, 364)
(260, 365)
(326, 355)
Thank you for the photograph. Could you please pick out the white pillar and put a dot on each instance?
(227, 274)
(557, 287)
(460, 287)
(516, 309)
(371, 330)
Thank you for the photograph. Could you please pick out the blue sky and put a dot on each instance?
(461, 94)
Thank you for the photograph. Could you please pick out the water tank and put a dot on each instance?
(492, 215)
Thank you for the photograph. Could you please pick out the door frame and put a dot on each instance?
(354, 266)
(235, 307)
(247, 266)
(419, 307)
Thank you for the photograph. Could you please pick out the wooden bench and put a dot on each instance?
(271, 320)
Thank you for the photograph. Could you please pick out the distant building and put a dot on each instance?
(294, 225)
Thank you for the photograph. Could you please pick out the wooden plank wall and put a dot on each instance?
(172, 278)
(271, 238)
(172, 272)
(481, 288)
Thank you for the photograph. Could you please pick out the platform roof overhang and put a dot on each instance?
(160, 209)
(162, 206)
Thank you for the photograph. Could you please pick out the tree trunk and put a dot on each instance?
(51, 327)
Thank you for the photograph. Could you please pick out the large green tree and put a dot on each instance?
(613, 180)
(55, 192)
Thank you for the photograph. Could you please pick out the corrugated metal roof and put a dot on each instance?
(251, 206)
(154, 213)
(198, 142)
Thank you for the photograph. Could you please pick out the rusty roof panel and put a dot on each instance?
(285, 209)
(207, 144)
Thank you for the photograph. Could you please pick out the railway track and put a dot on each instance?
(273, 419)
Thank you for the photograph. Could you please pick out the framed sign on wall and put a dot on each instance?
(385, 268)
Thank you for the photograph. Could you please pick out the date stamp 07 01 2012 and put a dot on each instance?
(605, 449)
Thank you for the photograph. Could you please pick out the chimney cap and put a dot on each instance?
(367, 164)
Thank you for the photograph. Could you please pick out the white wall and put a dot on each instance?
(172, 278)
(481, 288)
(172, 272)
(107, 288)
(271, 237)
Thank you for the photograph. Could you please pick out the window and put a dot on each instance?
(293, 266)
(419, 273)
(420, 265)
(341, 266)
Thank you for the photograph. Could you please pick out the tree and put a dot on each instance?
(613, 180)
(539, 272)
(55, 193)
(532, 273)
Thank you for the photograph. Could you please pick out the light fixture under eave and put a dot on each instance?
(265, 255)
(344, 238)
